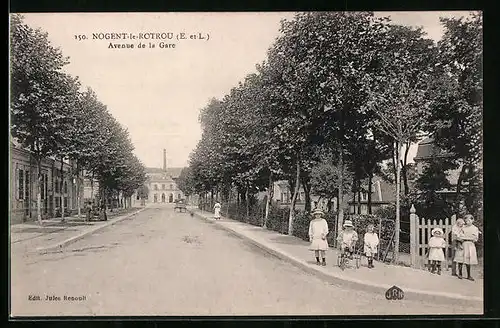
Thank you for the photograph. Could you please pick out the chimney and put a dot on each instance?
(165, 160)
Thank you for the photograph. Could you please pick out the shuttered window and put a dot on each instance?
(20, 184)
(27, 184)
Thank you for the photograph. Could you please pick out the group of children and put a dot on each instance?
(464, 235)
(318, 230)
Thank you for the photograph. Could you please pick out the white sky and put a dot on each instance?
(158, 93)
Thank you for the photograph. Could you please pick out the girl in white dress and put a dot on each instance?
(371, 243)
(467, 255)
(318, 230)
(217, 207)
(436, 246)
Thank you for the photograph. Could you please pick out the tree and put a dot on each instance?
(398, 92)
(325, 179)
(430, 185)
(37, 118)
(456, 116)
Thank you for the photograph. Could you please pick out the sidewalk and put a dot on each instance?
(53, 234)
(414, 282)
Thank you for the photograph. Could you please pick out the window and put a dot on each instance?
(137, 196)
(156, 187)
(163, 186)
(178, 196)
(171, 187)
(20, 184)
(27, 184)
(56, 185)
(65, 202)
(42, 187)
(46, 184)
(65, 187)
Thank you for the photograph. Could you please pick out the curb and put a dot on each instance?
(84, 234)
(410, 293)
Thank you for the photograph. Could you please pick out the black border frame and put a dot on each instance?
(492, 226)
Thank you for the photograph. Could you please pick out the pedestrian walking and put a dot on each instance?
(467, 255)
(217, 208)
(347, 238)
(436, 253)
(371, 242)
(318, 230)
(457, 246)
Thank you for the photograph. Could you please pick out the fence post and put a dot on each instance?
(413, 237)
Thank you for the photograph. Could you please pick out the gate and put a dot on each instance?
(420, 233)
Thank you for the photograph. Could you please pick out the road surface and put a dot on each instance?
(165, 263)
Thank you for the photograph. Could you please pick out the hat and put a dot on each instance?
(317, 211)
(347, 223)
(437, 231)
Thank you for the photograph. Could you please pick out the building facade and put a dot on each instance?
(22, 190)
(162, 183)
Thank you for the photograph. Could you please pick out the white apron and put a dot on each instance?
(468, 254)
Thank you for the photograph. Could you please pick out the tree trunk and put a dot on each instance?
(92, 187)
(228, 203)
(62, 190)
(307, 192)
(52, 181)
(398, 188)
(294, 198)
(247, 201)
(38, 191)
(237, 204)
(270, 193)
(404, 168)
(458, 196)
(340, 219)
(359, 196)
(78, 189)
(370, 186)
(353, 198)
(394, 160)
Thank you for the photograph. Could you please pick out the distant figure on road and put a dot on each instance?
(467, 255)
(371, 243)
(217, 208)
(436, 246)
(318, 230)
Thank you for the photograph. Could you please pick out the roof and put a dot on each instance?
(174, 172)
(426, 150)
(387, 190)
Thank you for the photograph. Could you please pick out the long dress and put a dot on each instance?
(371, 243)
(468, 254)
(318, 229)
(436, 245)
(217, 211)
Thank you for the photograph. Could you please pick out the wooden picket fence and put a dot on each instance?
(420, 233)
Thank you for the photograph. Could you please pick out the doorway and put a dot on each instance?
(163, 198)
(171, 198)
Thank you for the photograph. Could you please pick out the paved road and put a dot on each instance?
(161, 263)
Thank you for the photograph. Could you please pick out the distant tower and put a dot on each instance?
(164, 160)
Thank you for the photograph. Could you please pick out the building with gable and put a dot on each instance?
(162, 183)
